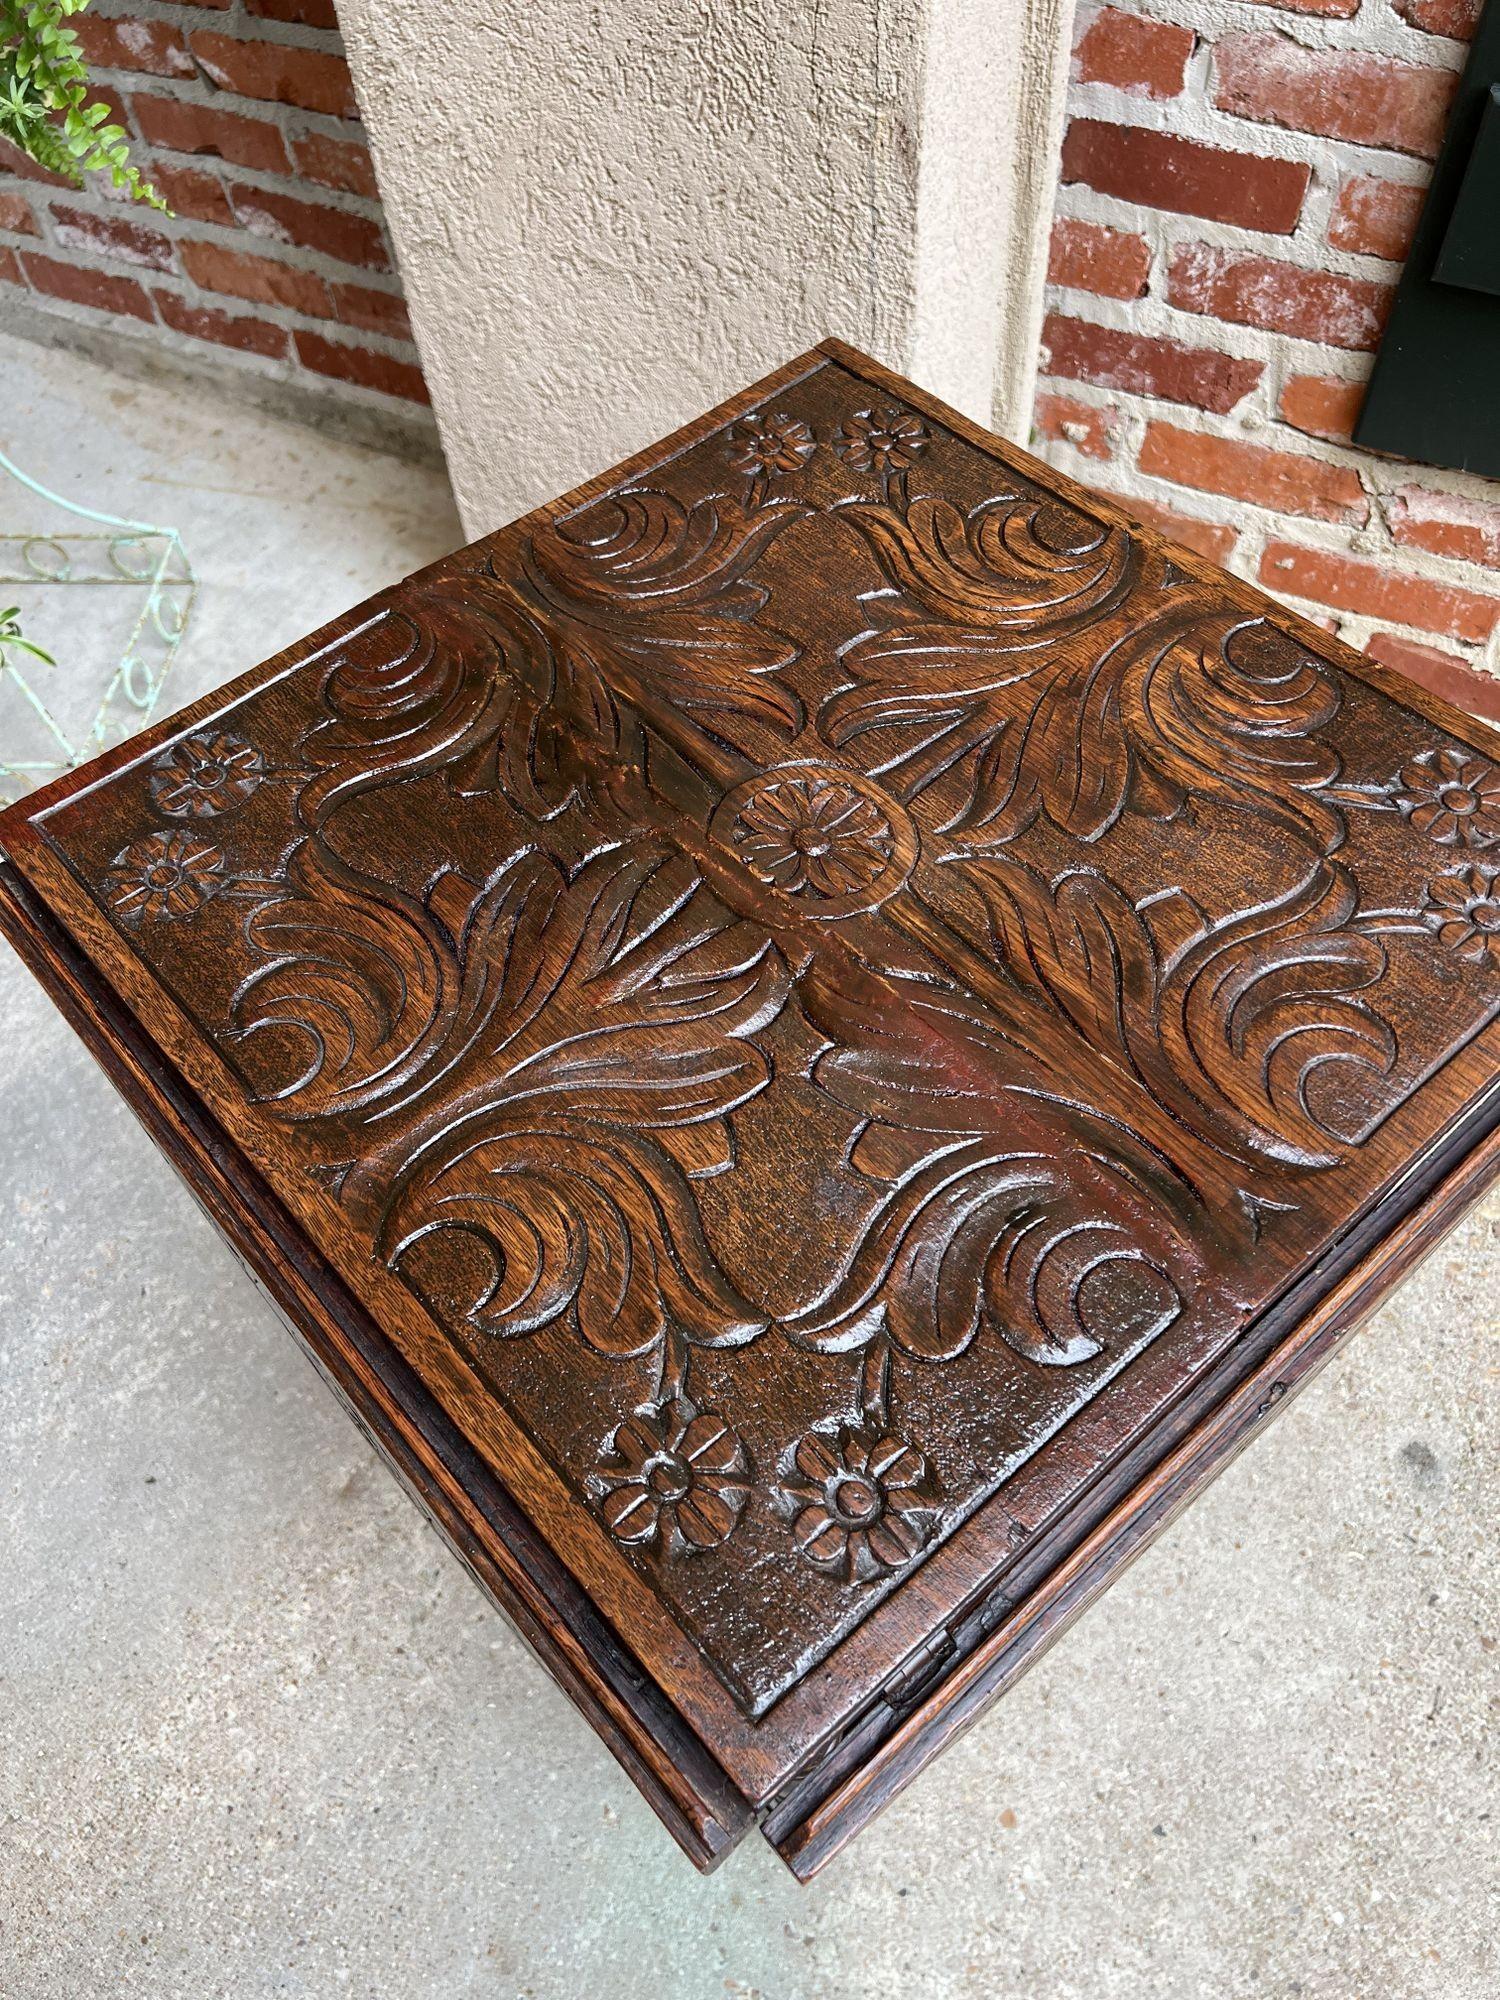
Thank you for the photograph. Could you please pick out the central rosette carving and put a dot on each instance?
(813, 834)
(828, 837)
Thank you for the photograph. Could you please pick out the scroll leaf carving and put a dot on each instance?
(589, 1015)
(1227, 1023)
(352, 992)
(998, 587)
(510, 1052)
(663, 589)
(588, 1217)
(836, 1008)
(1026, 565)
(984, 1237)
(1006, 1218)
(1195, 699)
(1235, 711)
(438, 684)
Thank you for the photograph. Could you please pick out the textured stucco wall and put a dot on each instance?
(607, 218)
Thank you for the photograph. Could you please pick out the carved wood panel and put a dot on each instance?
(809, 965)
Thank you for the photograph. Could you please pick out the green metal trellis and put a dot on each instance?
(127, 554)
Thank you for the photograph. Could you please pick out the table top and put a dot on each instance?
(811, 1034)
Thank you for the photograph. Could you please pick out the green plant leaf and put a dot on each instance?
(44, 99)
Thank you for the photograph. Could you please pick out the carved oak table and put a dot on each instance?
(812, 1036)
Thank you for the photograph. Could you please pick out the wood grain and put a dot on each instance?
(826, 1005)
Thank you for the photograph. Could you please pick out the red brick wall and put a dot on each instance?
(1239, 184)
(243, 113)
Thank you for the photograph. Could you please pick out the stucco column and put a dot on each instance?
(610, 216)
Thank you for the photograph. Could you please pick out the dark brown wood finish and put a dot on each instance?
(812, 1034)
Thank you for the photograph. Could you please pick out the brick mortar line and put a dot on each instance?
(1198, 330)
(340, 331)
(1172, 229)
(259, 181)
(1252, 541)
(198, 91)
(1380, 478)
(153, 332)
(204, 95)
(1159, 319)
(180, 229)
(240, 236)
(1077, 201)
(288, 120)
(121, 267)
(237, 25)
(228, 303)
(264, 180)
(1372, 30)
(288, 368)
(1254, 524)
(1256, 527)
(185, 11)
(1203, 122)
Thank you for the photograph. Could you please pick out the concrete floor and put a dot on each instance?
(259, 1735)
(283, 527)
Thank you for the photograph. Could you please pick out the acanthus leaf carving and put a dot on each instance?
(587, 1017)
(1023, 564)
(640, 579)
(461, 679)
(1015, 1211)
(999, 680)
(350, 995)
(500, 1060)
(1228, 1023)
